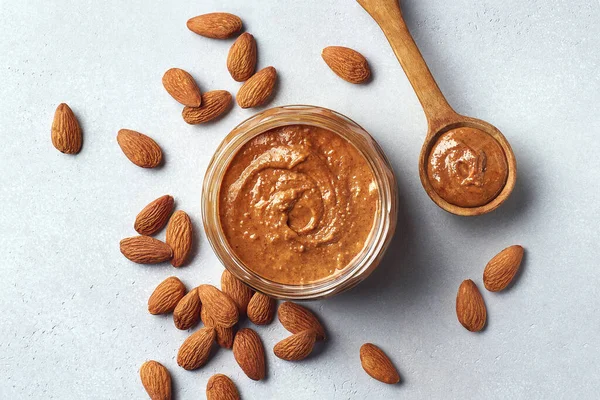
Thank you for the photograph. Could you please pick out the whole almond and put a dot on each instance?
(165, 297)
(296, 347)
(179, 237)
(224, 335)
(377, 364)
(241, 60)
(256, 90)
(145, 250)
(501, 269)
(140, 149)
(182, 87)
(154, 216)
(187, 312)
(238, 291)
(218, 305)
(296, 319)
(156, 380)
(217, 25)
(195, 350)
(261, 309)
(470, 307)
(249, 353)
(348, 64)
(66, 132)
(220, 387)
(214, 103)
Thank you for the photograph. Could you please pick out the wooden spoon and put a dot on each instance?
(441, 118)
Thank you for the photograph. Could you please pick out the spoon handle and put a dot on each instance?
(388, 16)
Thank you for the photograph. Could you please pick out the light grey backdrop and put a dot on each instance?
(74, 321)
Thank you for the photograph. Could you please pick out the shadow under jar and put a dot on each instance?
(299, 202)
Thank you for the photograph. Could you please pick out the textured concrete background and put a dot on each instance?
(74, 321)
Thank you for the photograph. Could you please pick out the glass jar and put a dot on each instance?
(384, 222)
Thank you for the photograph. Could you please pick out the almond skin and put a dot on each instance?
(156, 380)
(261, 309)
(66, 132)
(224, 335)
(165, 297)
(187, 312)
(377, 364)
(140, 149)
(296, 319)
(217, 25)
(154, 216)
(182, 87)
(241, 60)
(145, 250)
(470, 307)
(214, 103)
(501, 269)
(238, 291)
(296, 347)
(179, 237)
(249, 353)
(348, 64)
(195, 350)
(257, 90)
(218, 305)
(220, 387)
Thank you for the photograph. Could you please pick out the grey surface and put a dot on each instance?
(74, 321)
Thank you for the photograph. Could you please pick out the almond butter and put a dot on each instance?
(214, 103)
(238, 291)
(165, 297)
(241, 60)
(220, 387)
(224, 335)
(140, 149)
(470, 307)
(296, 319)
(154, 216)
(218, 25)
(218, 305)
(179, 237)
(195, 350)
(182, 87)
(347, 63)
(187, 312)
(66, 132)
(249, 353)
(377, 364)
(257, 90)
(261, 309)
(501, 269)
(296, 347)
(145, 250)
(156, 380)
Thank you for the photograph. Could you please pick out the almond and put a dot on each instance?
(165, 297)
(145, 250)
(296, 347)
(256, 90)
(214, 104)
(501, 269)
(296, 319)
(241, 60)
(238, 291)
(141, 150)
(249, 353)
(261, 309)
(224, 335)
(187, 312)
(179, 237)
(377, 364)
(470, 308)
(154, 216)
(195, 350)
(348, 64)
(66, 132)
(217, 25)
(218, 305)
(156, 380)
(220, 387)
(182, 87)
